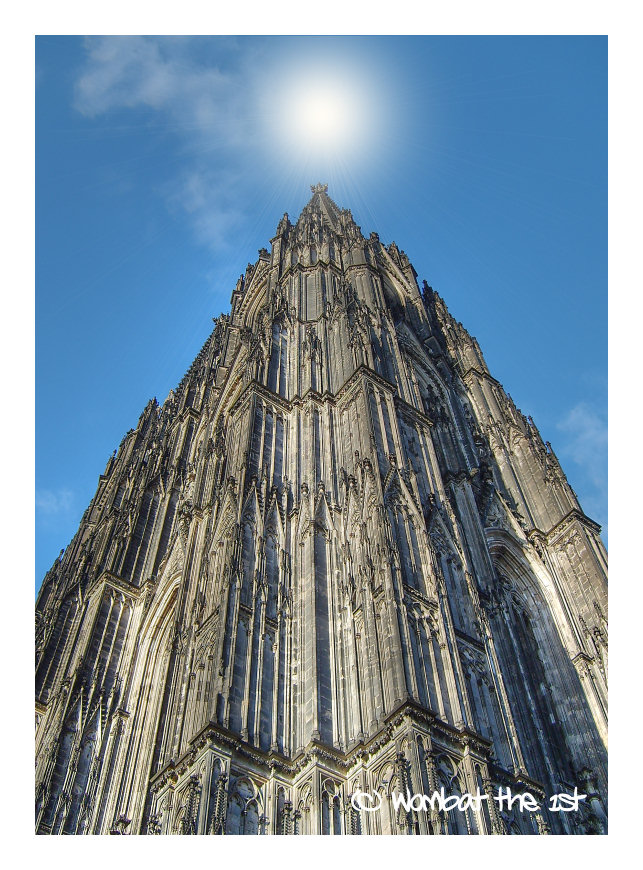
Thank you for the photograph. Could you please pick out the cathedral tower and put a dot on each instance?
(337, 559)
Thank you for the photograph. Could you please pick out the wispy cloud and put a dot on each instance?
(584, 442)
(210, 201)
(200, 100)
(155, 72)
(54, 503)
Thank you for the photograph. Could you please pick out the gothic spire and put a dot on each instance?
(337, 540)
(320, 203)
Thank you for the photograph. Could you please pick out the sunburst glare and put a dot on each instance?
(324, 119)
(326, 116)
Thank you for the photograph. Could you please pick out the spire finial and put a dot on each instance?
(319, 187)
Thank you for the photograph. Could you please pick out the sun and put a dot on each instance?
(323, 119)
(325, 114)
(322, 116)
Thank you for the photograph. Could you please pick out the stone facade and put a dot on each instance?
(337, 558)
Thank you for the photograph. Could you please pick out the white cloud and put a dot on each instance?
(136, 71)
(205, 107)
(587, 439)
(52, 503)
(584, 442)
(209, 201)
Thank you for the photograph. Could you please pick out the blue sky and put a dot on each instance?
(163, 164)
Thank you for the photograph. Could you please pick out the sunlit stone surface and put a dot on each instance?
(336, 559)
